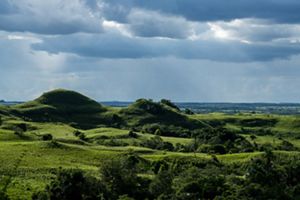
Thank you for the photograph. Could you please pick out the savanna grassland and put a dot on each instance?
(148, 150)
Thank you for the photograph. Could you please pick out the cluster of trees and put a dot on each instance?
(265, 177)
(213, 141)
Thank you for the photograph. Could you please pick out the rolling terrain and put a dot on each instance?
(65, 129)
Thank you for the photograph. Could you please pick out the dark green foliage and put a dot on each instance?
(253, 137)
(218, 149)
(287, 146)
(47, 137)
(223, 141)
(125, 197)
(3, 196)
(268, 179)
(148, 116)
(157, 132)
(54, 144)
(22, 126)
(120, 178)
(157, 143)
(132, 134)
(188, 111)
(169, 103)
(72, 184)
(258, 122)
(76, 133)
(161, 185)
(166, 130)
(265, 177)
(197, 184)
(19, 132)
(80, 135)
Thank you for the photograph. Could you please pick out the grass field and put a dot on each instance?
(27, 162)
(27, 165)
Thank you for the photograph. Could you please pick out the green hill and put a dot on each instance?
(82, 112)
(146, 115)
(69, 101)
(63, 106)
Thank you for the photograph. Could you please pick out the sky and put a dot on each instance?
(183, 50)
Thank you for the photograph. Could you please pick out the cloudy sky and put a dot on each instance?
(183, 50)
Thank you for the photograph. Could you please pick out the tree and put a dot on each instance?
(72, 184)
(162, 184)
(120, 178)
(219, 149)
(169, 103)
(157, 132)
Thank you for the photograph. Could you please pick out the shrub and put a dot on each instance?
(3, 196)
(82, 137)
(132, 134)
(76, 133)
(219, 149)
(19, 132)
(287, 146)
(22, 126)
(157, 132)
(120, 178)
(72, 184)
(157, 143)
(169, 103)
(188, 111)
(54, 144)
(47, 137)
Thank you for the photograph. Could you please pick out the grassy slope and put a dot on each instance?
(30, 162)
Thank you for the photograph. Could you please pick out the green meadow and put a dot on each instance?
(65, 130)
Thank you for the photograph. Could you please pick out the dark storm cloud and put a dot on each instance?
(210, 10)
(6, 7)
(48, 17)
(151, 24)
(118, 46)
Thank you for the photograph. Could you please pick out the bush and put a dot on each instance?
(72, 184)
(132, 134)
(3, 196)
(47, 137)
(120, 178)
(82, 137)
(19, 132)
(76, 133)
(22, 126)
(218, 149)
(188, 111)
(157, 143)
(287, 146)
(157, 132)
(169, 103)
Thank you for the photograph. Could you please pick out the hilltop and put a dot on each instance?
(62, 106)
(74, 108)
(146, 115)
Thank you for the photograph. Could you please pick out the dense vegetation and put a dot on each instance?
(64, 145)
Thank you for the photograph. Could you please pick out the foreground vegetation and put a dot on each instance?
(64, 145)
